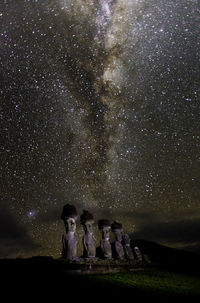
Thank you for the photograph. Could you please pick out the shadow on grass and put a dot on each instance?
(43, 278)
(154, 284)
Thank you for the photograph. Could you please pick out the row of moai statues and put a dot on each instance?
(120, 249)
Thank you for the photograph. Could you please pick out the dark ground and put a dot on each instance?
(44, 278)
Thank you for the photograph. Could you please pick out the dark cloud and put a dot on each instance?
(14, 238)
(50, 215)
(176, 228)
(180, 230)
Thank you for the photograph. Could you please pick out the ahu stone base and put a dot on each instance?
(99, 266)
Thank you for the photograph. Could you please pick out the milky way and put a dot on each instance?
(100, 108)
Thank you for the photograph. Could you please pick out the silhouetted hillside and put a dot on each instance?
(44, 278)
(43, 267)
(168, 257)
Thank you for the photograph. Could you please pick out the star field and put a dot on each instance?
(100, 109)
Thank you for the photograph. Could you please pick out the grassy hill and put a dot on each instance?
(170, 258)
(172, 274)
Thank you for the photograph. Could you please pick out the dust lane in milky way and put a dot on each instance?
(100, 109)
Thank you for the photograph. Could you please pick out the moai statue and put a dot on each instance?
(104, 227)
(118, 248)
(69, 216)
(146, 259)
(127, 247)
(138, 253)
(87, 220)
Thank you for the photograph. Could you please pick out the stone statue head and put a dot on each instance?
(105, 227)
(69, 216)
(126, 239)
(117, 230)
(116, 225)
(87, 220)
(89, 226)
(70, 224)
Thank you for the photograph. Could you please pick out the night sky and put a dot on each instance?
(100, 108)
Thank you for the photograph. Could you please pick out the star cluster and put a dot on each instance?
(100, 108)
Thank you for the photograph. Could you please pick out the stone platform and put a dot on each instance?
(99, 266)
